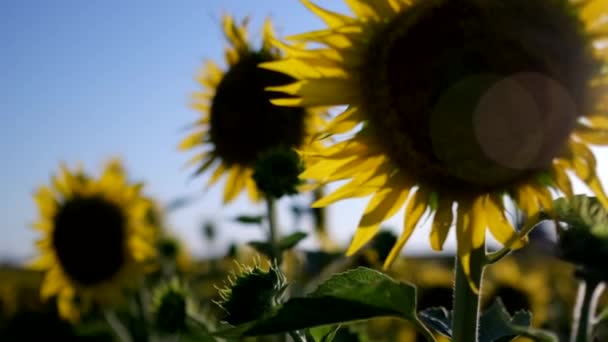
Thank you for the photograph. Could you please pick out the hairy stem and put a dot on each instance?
(273, 234)
(465, 323)
(119, 329)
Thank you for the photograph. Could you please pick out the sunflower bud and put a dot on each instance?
(276, 172)
(251, 293)
(168, 247)
(583, 236)
(170, 303)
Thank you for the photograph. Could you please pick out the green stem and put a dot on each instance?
(589, 291)
(119, 329)
(465, 321)
(428, 335)
(273, 233)
(320, 219)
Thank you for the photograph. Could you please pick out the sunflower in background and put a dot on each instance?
(96, 239)
(469, 104)
(238, 122)
(519, 288)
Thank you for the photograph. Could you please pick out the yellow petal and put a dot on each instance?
(345, 122)
(322, 170)
(444, 217)
(234, 184)
(499, 225)
(312, 92)
(66, 305)
(52, 283)
(47, 204)
(381, 207)
(468, 223)
(267, 35)
(598, 121)
(211, 76)
(596, 187)
(332, 19)
(252, 190)
(236, 35)
(525, 198)
(593, 10)
(301, 69)
(416, 207)
(595, 136)
(561, 178)
(42, 263)
(192, 141)
(375, 9)
(362, 185)
(217, 174)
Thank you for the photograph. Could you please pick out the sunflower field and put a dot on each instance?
(467, 118)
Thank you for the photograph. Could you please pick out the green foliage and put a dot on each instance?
(250, 219)
(496, 324)
(439, 319)
(170, 307)
(357, 294)
(284, 244)
(584, 240)
(324, 333)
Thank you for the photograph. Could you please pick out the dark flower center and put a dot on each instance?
(243, 121)
(89, 239)
(477, 94)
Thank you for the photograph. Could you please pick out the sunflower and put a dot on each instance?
(96, 238)
(238, 120)
(454, 109)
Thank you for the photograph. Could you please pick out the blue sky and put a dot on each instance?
(85, 81)
(82, 81)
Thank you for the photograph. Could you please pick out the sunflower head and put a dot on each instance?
(239, 122)
(171, 302)
(276, 172)
(251, 293)
(454, 109)
(583, 233)
(96, 238)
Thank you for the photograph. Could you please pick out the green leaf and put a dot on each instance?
(438, 319)
(602, 316)
(324, 333)
(496, 325)
(357, 294)
(249, 219)
(292, 240)
(262, 247)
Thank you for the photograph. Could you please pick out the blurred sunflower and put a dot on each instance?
(519, 289)
(467, 104)
(96, 238)
(238, 121)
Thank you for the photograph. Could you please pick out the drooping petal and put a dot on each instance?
(234, 184)
(444, 217)
(416, 207)
(499, 225)
(381, 207)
